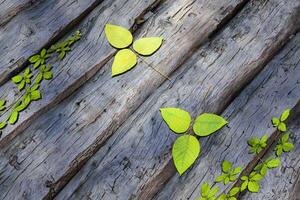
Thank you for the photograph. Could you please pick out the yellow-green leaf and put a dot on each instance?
(147, 46)
(124, 60)
(2, 124)
(207, 123)
(185, 151)
(285, 115)
(118, 36)
(13, 117)
(177, 119)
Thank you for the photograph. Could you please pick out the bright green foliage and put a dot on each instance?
(3, 124)
(267, 164)
(230, 195)
(44, 73)
(39, 59)
(2, 105)
(63, 47)
(252, 182)
(279, 123)
(13, 117)
(125, 59)
(228, 173)
(283, 145)
(177, 119)
(256, 145)
(208, 123)
(23, 80)
(185, 151)
(208, 192)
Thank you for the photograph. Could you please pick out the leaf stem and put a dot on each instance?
(149, 65)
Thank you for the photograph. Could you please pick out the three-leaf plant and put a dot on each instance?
(125, 59)
(257, 144)
(228, 173)
(279, 122)
(283, 145)
(208, 192)
(251, 182)
(186, 148)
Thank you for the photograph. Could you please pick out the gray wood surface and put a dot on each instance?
(89, 54)
(57, 144)
(135, 162)
(284, 182)
(274, 90)
(35, 27)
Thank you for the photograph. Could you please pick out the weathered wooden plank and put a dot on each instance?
(59, 143)
(36, 27)
(249, 115)
(9, 9)
(135, 161)
(283, 182)
(92, 50)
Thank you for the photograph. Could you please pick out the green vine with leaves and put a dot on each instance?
(249, 182)
(28, 82)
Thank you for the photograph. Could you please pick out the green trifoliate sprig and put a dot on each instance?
(279, 122)
(23, 80)
(208, 192)
(228, 173)
(256, 144)
(283, 145)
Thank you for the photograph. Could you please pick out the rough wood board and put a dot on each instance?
(284, 182)
(35, 28)
(135, 162)
(59, 143)
(274, 90)
(10, 8)
(89, 54)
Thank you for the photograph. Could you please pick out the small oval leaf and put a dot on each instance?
(207, 123)
(185, 151)
(177, 119)
(118, 36)
(124, 60)
(13, 117)
(147, 46)
(285, 115)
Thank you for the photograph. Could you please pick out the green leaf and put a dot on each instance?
(2, 124)
(35, 95)
(47, 75)
(253, 186)
(17, 79)
(226, 180)
(264, 139)
(147, 46)
(220, 178)
(185, 151)
(207, 123)
(205, 188)
(21, 85)
(37, 64)
(244, 178)
(287, 147)
(118, 36)
(273, 163)
(285, 115)
(285, 137)
(256, 177)
(237, 170)
(43, 52)
(253, 141)
(34, 58)
(213, 191)
(275, 121)
(244, 185)
(279, 150)
(39, 78)
(234, 191)
(226, 166)
(282, 126)
(13, 117)
(124, 60)
(177, 119)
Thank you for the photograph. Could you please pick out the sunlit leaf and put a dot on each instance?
(253, 186)
(118, 36)
(147, 46)
(13, 117)
(2, 124)
(124, 60)
(285, 115)
(177, 119)
(207, 123)
(185, 151)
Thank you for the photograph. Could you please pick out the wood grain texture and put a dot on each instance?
(35, 28)
(88, 55)
(55, 147)
(284, 182)
(135, 162)
(274, 90)
(10, 8)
